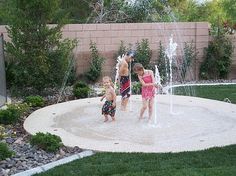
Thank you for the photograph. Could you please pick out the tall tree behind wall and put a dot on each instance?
(229, 7)
(78, 11)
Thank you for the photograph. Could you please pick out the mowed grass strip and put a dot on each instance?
(215, 92)
(218, 161)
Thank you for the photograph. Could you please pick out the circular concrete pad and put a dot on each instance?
(194, 124)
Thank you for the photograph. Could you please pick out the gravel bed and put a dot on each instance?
(25, 155)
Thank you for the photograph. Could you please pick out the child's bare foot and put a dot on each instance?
(113, 118)
(106, 119)
(123, 109)
(141, 117)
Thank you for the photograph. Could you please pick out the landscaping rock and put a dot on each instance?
(25, 155)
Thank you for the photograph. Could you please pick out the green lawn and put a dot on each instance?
(218, 92)
(211, 162)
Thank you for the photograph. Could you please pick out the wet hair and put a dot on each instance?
(131, 53)
(109, 78)
(138, 67)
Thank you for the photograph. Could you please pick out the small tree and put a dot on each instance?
(162, 64)
(37, 55)
(189, 56)
(96, 64)
(122, 49)
(230, 10)
(218, 59)
(143, 55)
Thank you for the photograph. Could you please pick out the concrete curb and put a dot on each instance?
(51, 165)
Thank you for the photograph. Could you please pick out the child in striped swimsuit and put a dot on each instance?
(109, 107)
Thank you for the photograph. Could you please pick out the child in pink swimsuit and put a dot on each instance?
(147, 81)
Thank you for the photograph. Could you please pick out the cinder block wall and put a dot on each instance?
(108, 38)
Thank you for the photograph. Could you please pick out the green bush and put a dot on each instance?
(80, 84)
(9, 116)
(2, 132)
(143, 53)
(35, 101)
(37, 56)
(136, 88)
(21, 107)
(218, 59)
(189, 56)
(47, 142)
(96, 64)
(162, 64)
(121, 50)
(81, 90)
(13, 113)
(4, 151)
(143, 56)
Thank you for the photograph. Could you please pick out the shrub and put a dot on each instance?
(9, 116)
(162, 64)
(4, 151)
(143, 56)
(189, 56)
(144, 53)
(2, 132)
(37, 55)
(122, 50)
(136, 88)
(35, 101)
(47, 142)
(217, 62)
(96, 64)
(12, 114)
(81, 90)
(21, 107)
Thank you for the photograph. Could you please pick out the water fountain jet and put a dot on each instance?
(170, 53)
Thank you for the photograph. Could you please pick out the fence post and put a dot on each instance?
(3, 91)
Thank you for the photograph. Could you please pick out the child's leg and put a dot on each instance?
(124, 103)
(150, 108)
(106, 118)
(113, 118)
(143, 108)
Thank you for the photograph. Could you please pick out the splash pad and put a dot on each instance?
(196, 124)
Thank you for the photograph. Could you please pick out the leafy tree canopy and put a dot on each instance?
(37, 55)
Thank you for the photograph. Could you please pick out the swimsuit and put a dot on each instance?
(125, 87)
(108, 109)
(148, 92)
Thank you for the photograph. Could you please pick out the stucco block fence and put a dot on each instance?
(108, 39)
